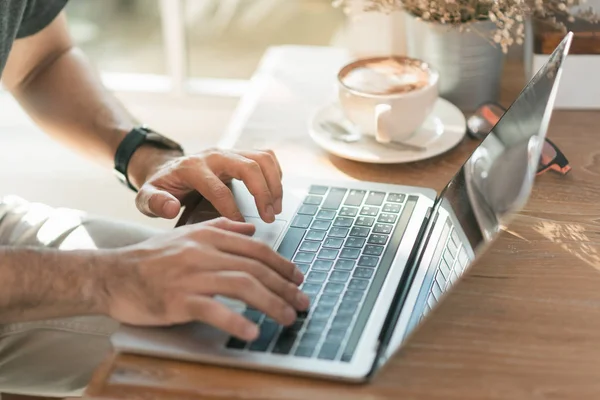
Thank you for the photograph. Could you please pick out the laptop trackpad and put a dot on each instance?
(267, 233)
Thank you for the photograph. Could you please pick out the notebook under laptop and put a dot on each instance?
(377, 258)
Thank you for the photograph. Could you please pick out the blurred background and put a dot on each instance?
(180, 66)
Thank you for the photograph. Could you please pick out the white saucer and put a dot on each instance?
(444, 128)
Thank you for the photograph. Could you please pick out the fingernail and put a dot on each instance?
(251, 332)
(270, 212)
(170, 207)
(289, 315)
(298, 277)
(302, 300)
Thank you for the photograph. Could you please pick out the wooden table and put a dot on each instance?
(524, 323)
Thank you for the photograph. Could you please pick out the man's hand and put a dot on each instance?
(165, 186)
(172, 279)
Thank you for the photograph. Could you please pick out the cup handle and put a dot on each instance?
(381, 114)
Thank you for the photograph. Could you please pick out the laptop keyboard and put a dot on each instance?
(344, 242)
(453, 261)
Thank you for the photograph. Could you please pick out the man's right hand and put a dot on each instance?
(173, 278)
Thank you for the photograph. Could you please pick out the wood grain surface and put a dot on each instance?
(523, 323)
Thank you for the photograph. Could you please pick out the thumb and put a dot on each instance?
(232, 226)
(157, 203)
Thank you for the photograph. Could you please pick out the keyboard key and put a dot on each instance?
(338, 232)
(316, 326)
(319, 190)
(348, 212)
(290, 242)
(359, 231)
(302, 351)
(316, 277)
(377, 239)
(350, 253)
(326, 214)
(369, 211)
(440, 279)
(268, 329)
(448, 258)
(344, 222)
(463, 258)
(321, 224)
(322, 265)
(387, 218)
(375, 198)
(364, 221)
(346, 357)
(236, 344)
(285, 342)
(303, 268)
(333, 288)
(339, 276)
(307, 209)
(455, 238)
(445, 269)
(328, 299)
(436, 290)
(373, 250)
(328, 254)
(329, 351)
(310, 246)
(311, 298)
(311, 339)
(342, 321)
(322, 312)
(311, 288)
(346, 265)
(304, 258)
(368, 261)
(347, 307)
(383, 228)
(356, 242)
(392, 208)
(355, 198)
(452, 248)
(353, 295)
(358, 284)
(301, 221)
(334, 199)
(396, 198)
(316, 235)
(336, 335)
(361, 272)
(253, 315)
(431, 301)
(313, 200)
(333, 243)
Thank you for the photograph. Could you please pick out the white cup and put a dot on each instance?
(392, 116)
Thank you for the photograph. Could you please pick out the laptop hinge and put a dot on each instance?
(403, 289)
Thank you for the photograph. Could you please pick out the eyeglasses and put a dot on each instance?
(486, 117)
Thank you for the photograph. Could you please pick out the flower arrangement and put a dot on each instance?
(507, 15)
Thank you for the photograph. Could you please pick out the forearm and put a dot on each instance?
(46, 283)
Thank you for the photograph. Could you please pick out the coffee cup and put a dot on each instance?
(387, 97)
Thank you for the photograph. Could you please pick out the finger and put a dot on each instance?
(271, 152)
(245, 287)
(269, 166)
(251, 248)
(269, 278)
(214, 190)
(157, 203)
(251, 173)
(220, 316)
(242, 228)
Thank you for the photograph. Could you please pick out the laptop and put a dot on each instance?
(377, 257)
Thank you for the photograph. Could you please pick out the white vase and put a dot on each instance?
(470, 66)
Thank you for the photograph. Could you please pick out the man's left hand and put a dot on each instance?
(208, 172)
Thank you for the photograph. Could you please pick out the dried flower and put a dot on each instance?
(507, 15)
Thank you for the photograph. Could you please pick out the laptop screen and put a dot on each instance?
(497, 179)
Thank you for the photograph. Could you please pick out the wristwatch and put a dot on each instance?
(134, 140)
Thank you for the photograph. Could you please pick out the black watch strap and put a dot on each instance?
(128, 146)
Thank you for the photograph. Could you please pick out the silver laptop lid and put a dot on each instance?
(494, 183)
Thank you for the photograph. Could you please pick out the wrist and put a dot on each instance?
(146, 161)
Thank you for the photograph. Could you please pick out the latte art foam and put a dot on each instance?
(386, 76)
